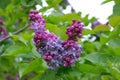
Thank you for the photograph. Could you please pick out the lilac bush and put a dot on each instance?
(54, 51)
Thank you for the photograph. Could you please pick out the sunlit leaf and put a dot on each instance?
(101, 28)
(99, 58)
(87, 31)
(117, 1)
(114, 21)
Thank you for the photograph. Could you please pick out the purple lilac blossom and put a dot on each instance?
(3, 32)
(38, 23)
(72, 52)
(75, 30)
(54, 51)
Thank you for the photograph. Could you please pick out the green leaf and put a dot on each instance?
(87, 68)
(34, 51)
(53, 2)
(117, 1)
(104, 39)
(101, 28)
(23, 2)
(39, 2)
(97, 44)
(22, 68)
(19, 38)
(70, 17)
(106, 77)
(52, 28)
(54, 17)
(33, 66)
(87, 31)
(49, 75)
(115, 69)
(114, 43)
(106, 1)
(92, 19)
(14, 50)
(56, 2)
(116, 10)
(89, 47)
(1, 12)
(115, 33)
(117, 51)
(28, 3)
(85, 19)
(1, 48)
(59, 31)
(3, 4)
(99, 58)
(114, 20)
(62, 33)
(64, 4)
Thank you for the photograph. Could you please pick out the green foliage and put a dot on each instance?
(117, 1)
(114, 21)
(106, 1)
(100, 59)
(101, 28)
(116, 10)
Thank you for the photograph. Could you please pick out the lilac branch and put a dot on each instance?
(17, 32)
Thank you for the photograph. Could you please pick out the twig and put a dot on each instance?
(17, 32)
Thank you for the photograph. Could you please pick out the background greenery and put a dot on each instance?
(19, 59)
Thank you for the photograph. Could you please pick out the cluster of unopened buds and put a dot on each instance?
(54, 51)
(3, 32)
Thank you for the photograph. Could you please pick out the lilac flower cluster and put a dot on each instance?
(3, 32)
(75, 30)
(54, 51)
(71, 53)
